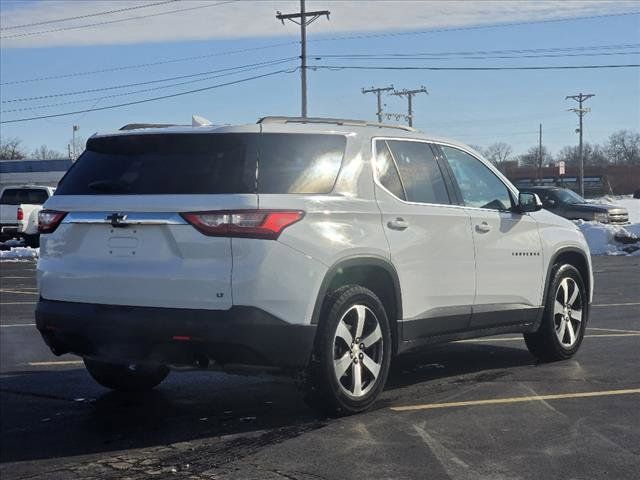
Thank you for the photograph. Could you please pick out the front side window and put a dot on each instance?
(479, 186)
(421, 176)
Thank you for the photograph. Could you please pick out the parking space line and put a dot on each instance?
(534, 398)
(18, 303)
(2, 278)
(59, 362)
(513, 339)
(16, 291)
(615, 304)
(613, 330)
(18, 325)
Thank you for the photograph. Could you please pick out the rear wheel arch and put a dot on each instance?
(374, 273)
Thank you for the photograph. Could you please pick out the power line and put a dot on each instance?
(406, 67)
(149, 82)
(79, 17)
(283, 44)
(401, 56)
(145, 90)
(471, 27)
(150, 64)
(188, 92)
(108, 22)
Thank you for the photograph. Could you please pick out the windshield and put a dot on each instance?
(568, 196)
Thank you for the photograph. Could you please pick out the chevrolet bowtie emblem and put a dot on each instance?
(117, 219)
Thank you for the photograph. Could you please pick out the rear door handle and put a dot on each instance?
(398, 224)
(483, 227)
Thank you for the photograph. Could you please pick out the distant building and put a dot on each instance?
(598, 180)
(40, 172)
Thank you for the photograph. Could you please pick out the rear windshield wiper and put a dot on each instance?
(108, 186)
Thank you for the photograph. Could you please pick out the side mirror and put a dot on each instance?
(529, 202)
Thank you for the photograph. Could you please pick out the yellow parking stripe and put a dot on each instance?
(16, 291)
(514, 339)
(60, 362)
(535, 398)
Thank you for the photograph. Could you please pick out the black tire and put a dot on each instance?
(323, 388)
(126, 378)
(545, 343)
(32, 241)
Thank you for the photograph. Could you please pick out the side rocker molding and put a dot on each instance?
(357, 261)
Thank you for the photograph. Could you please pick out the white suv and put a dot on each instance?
(322, 245)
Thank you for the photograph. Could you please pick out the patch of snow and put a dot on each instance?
(602, 238)
(20, 253)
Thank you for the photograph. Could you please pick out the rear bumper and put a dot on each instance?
(174, 336)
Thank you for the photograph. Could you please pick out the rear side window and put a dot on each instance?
(387, 172)
(17, 196)
(421, 176)
(223, 163)
(299, 163)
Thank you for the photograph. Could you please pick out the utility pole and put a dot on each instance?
(409, 94)
(540, 154)
(581, 112)
(73, 141)
(378, 92)
(303, 18)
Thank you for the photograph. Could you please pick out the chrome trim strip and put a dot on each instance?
(132, 218)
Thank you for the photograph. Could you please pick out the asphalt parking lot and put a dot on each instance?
(478, 409)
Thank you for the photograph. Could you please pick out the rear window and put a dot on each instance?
(206, 164)
(17, 196)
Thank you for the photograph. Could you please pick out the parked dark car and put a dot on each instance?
(568, 204)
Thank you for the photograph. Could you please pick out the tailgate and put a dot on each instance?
(148, 256)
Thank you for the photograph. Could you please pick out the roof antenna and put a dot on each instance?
(198, 121)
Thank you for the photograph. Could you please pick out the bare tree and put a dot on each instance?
(77, 146)
(498, 152)
(532, 157)
(623, 148)
(593, 155)
(44, 153)
(11, 149)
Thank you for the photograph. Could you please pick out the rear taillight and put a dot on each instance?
(48, 220)
(265, 224)
(20, 214)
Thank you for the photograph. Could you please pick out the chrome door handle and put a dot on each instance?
(398, 224)
(483, 227)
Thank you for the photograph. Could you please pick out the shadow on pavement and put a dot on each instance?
(61, 413)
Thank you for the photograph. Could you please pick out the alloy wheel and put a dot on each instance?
(567, 312)
(357, 351)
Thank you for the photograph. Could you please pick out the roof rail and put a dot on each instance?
(335, 121)
(137, 126)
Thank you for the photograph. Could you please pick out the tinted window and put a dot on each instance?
(387, 171)
(419, 171)
(31, 196)
(206, 164)
(10, 197)
(295, 163)
(479, 186)
(163, 164)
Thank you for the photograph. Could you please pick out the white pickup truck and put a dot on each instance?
(19, 207)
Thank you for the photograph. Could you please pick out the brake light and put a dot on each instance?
(20, 214)
(264, 224)
(48, 220)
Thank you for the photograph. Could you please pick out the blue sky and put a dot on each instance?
(477, 107)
